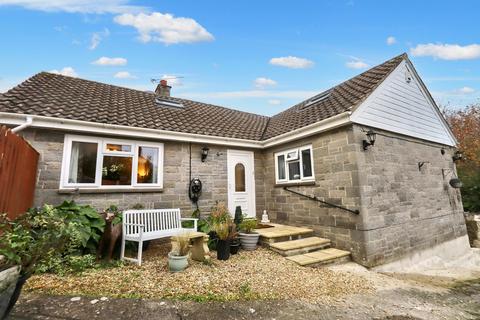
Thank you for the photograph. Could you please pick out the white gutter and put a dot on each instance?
(126, 131)
(28, 123)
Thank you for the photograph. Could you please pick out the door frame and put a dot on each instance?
(249, 157)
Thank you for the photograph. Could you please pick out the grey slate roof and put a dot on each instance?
(52, 95)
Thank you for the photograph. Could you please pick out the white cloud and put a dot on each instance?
(165, 28)
(75, 6)
(67, 71)
(356, 64)
(106, 61)
(466, 90)
(292, 62)
(124, 75)
(172, 80)
(97, 37)
(391, 40)
(262, 83)
(274, 102)
(447, 51)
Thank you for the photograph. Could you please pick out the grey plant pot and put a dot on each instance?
(249, 240)
(177, 263)
(8, 282)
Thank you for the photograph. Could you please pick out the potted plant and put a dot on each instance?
(178, 257)
(238, 216)
(26, 242)
(248, 238)
(234, 240)
(218, 214)
(223, 243)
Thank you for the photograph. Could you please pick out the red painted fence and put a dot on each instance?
(18, 172)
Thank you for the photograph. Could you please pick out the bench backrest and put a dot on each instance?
(153, 220)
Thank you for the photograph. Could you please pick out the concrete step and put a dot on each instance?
(300, 246)
(321, 257)
(280, 233)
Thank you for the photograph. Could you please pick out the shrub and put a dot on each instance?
(88, 223)
(35, 238)
(248, 224)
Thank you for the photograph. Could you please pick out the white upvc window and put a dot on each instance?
(104, 163)
(294, 165)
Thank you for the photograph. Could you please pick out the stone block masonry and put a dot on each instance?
(403, 208)
(212, 173)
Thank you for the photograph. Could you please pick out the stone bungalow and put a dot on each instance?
(102, 144)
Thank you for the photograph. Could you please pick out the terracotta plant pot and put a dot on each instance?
(249, 240)
(177, 263)
(223, 249)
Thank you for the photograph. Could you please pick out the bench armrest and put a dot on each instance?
(195, 220)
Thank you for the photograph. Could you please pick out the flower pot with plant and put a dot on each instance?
(248, 237)
(223, 243)
(178, 257)
(234, 240)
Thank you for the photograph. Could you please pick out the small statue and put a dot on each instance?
(111, 233)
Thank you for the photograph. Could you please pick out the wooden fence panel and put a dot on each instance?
(18, 173)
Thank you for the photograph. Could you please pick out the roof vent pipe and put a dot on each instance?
(27, 124)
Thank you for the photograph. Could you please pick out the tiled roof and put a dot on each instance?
(341, 98)
(52, 95)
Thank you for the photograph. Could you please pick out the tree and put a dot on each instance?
(465, 124)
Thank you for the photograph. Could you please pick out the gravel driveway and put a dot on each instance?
(394, 297)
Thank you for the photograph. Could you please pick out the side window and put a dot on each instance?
(295, 165)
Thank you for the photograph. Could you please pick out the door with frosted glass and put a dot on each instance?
(241, 181)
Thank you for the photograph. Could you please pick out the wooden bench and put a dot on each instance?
(144, 225)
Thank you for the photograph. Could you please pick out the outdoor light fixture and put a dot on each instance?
(204, 153)
(458, 155)
(371, 136)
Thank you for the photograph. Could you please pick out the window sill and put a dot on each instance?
(293, 184)
(105, 190)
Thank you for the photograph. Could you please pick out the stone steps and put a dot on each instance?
(321, 257)
(300, 246)
(280, 233)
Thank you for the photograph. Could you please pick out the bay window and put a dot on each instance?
(294, 165)
(103, 163)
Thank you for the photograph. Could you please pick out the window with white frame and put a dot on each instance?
(294, 165)
(90, 162)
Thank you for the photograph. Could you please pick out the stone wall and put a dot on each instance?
(336, 181)
(405, 208)
(212, 173)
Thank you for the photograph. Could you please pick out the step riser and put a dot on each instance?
(293, 252)
(267, 241)
(330, 262)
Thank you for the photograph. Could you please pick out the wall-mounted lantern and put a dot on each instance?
(204, 153)
(455, 183)
(371, 137)
(458, 155)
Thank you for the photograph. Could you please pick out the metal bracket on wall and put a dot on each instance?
(421, 164)
(314, 198)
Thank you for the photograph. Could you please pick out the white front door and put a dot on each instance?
(241, 182)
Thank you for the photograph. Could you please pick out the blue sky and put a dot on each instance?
(256, 56)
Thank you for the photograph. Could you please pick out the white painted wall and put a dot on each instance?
(404, 107)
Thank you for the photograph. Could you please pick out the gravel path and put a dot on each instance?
(258, 275)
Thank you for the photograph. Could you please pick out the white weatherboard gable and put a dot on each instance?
(404, 107)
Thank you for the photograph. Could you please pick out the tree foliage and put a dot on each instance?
(465, 124)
